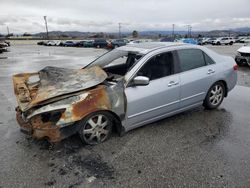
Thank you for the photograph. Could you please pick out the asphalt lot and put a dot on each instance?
(198, 148)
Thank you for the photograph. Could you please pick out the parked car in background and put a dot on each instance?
(117, 43)
(7, 42)
(243, 55)
(88, 44)
(238, 39)
(79, 43)
(125, 88)
(3, 44)
(69, 44)
(41, 43)
(134, 42)
(200, 41)
(189, 40)
(168, 39)
(245, 40)
(51, 43)
(100, 43)
(3, 49)
(205, 41)
(211, 40)
(224, 40)
(84, 43)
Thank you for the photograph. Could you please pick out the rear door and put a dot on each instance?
(196, 77)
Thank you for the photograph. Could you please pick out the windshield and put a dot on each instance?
(111, 57)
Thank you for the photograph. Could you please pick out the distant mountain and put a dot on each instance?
(242, 29)
(213, 33)
(63, 33)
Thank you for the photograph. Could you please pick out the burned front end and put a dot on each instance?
(52, 101)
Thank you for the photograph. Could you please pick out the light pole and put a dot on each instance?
(119, 26)
(173, 32)
(189, 30)
(8, 31)
(46, 25)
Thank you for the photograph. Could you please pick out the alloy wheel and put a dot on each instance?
(216, 95)
(96, 129)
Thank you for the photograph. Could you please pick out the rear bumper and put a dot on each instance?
(242, 59)
(52, 134)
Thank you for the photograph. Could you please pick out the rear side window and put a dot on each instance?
(208, 59)
(190, 59)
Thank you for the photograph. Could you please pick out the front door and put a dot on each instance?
(161, 96)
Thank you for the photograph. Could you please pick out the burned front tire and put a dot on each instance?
(214, 96)
(96, 128)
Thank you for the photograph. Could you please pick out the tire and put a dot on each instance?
(215, 96)
(116, 46)
(248, 63)
(231, 43)
(240, 63)
(98, 46)
(96, 128)
(218, 43)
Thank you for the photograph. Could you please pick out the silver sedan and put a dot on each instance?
(125, 88)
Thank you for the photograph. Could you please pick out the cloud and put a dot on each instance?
(84, 15)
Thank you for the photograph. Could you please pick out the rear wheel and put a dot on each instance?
(214, 96)
(231, 43)
(96, 128)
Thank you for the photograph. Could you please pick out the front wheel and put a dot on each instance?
(214, 96)
(96, 128)
(248, 63)
(240, 63)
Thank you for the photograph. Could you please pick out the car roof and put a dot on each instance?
(145, 47)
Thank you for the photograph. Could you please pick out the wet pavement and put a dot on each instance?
(197, 148)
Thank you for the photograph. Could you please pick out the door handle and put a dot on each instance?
(172, 83)
(210, 71)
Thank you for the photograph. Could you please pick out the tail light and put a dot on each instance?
(235, 67)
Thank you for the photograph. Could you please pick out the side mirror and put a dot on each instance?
(141, 80)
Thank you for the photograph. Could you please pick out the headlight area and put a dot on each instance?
(46, 119)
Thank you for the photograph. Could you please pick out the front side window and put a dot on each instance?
(190, 59)
(158, 66)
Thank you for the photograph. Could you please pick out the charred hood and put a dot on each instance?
(54, 82)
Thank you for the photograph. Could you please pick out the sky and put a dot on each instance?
(104, 15)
